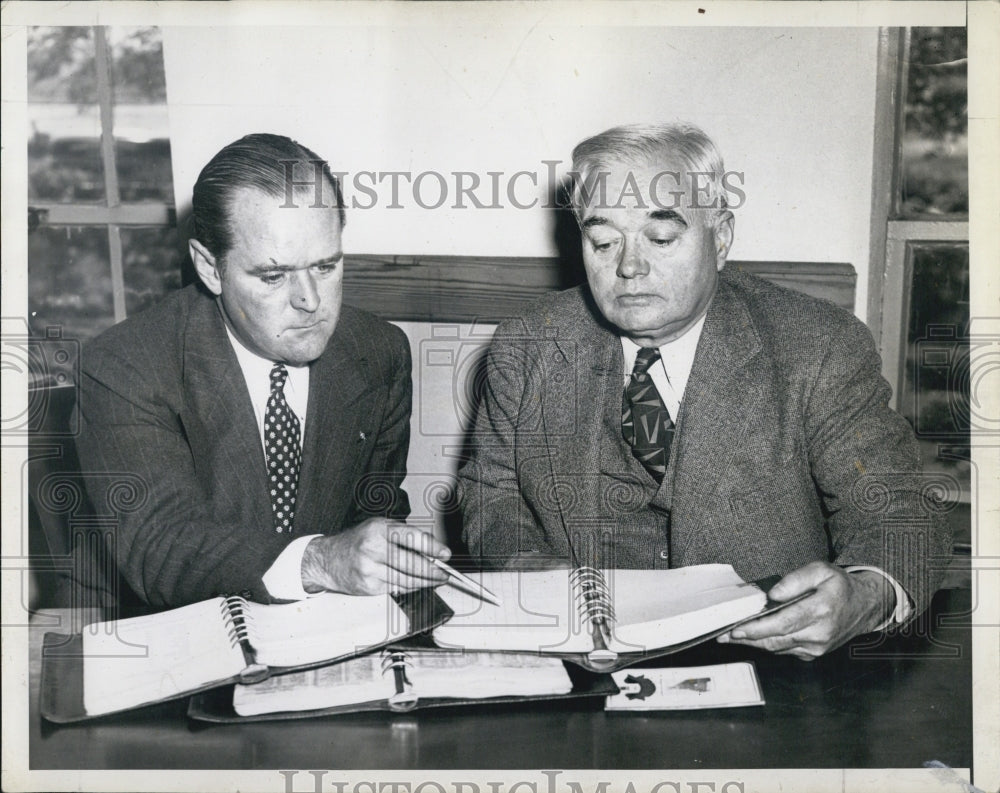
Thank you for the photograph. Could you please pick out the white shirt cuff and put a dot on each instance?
(283, 579)
(904, 606)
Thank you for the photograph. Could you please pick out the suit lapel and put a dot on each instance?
(217, 392)
(335, 426)
(591, 360)
(721, 396)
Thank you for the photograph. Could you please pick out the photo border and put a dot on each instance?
(984, 133)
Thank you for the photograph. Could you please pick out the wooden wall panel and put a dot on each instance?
(487, 289)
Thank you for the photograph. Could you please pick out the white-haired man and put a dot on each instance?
(673, 412)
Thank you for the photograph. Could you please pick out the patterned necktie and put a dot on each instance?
(646, 424)
(284, 454)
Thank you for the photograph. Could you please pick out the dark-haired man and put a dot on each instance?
(675, 413)
(268, 422)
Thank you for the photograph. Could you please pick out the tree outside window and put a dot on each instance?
(102, 228)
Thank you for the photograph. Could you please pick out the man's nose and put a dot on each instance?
(305, 296)
(632, 264)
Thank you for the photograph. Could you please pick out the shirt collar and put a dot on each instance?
(253, 366)
(677, 355)
(257, 373)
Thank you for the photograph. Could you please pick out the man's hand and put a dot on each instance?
(843, 606)
(376, 556)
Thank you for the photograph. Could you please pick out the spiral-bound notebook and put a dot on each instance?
(602, 619)
(123, 664)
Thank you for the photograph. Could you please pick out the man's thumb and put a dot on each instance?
(799, 581)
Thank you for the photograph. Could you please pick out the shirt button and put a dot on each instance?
(664, 555)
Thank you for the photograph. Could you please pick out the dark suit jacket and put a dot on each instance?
(163, 398)
(785, 452)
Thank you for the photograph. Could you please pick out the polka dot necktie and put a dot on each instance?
(284, 454)
(646, 424)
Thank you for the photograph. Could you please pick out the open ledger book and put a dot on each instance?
(141, 660)
(403, 679)
(601, 619)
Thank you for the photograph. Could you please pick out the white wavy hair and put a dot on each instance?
(679, 142)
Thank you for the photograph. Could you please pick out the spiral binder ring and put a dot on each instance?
(403, 699)
(394, 659)
(594, 605)
(592, 595)
(237, 618)
(239, 621)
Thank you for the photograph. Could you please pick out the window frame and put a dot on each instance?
(890, 272)
(114, 215)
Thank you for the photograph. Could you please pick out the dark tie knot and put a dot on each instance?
(278, 376)
(647, 357)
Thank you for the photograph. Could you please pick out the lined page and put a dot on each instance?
(429, 675)
(482, 675)
(139, 660)
(537, 614)
(357, 680)
(658, 608)
(653, 609)
(323, 627)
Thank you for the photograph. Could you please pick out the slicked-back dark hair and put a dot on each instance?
(261, 161)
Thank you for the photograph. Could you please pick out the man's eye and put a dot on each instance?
(325, 269)
(662, 241)
(602, 246)
(272, 279)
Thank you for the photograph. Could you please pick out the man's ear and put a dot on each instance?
(724, 223)
(204, 263)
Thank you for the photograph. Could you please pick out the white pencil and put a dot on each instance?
(476, 587)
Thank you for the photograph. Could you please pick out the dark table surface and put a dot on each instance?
(880, 702)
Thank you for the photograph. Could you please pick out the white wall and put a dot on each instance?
(792, 108)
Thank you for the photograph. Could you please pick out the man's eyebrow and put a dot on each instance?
(328, 260)
(667, 214)
(594, 221)
(273, 267)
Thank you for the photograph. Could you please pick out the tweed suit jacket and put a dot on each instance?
(785, 450)
(163, 398)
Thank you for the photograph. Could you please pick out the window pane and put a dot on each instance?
(137, 66)
(143, 155)
(934, 178)
(142, 133)
(64, 154)
(935, 394)
(61, 66)
(152, 265)
(64, 148)
(69, 281)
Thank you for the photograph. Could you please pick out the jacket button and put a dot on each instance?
(665, 555)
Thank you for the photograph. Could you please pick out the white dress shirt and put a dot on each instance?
(670, 376)
(283, 579)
